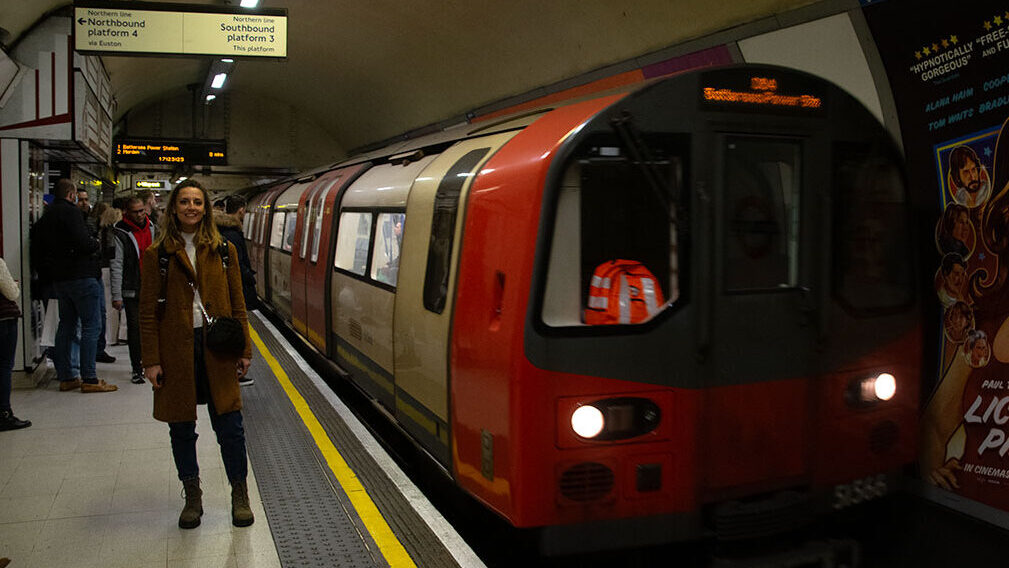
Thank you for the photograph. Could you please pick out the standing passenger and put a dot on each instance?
(230, 226)
(71, 253)
(185, 269)
(133, 234)
(10, 311)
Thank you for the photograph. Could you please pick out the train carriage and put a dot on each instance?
(758, 366)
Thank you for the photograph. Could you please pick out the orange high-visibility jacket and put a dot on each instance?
(621, 292)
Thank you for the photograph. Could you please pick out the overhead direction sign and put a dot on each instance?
(178, 29)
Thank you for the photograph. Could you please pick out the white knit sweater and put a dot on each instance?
(8, 287)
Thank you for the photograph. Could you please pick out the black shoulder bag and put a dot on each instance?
(224, 335)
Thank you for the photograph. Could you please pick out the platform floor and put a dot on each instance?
(92, 483)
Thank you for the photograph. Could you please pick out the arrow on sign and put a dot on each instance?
(81, 21)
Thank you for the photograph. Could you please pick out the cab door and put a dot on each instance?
(763, 287)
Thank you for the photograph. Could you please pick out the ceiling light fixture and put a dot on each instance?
(219, 80)
(250, 3)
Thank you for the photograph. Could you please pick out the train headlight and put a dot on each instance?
(587, 421)
(612, 419)
(884, 386)
(881, 387)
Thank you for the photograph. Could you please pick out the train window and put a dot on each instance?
(352, 238)
(614, 207)
(310, 210)
(289, 226)
(320, 208)
(277, 234)
(872, 266)
(761, 227)
(446, 207)
(385, 256)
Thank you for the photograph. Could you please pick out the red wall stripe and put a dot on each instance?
(52, 59)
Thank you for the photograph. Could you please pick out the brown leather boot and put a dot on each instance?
(241, 512)
(191, 513)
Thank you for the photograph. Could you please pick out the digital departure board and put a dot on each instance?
(160, 151)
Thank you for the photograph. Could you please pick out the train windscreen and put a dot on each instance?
(873, 266)
(618, 206)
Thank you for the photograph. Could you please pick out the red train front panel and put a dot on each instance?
(782, 368)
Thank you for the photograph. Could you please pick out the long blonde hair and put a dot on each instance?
(206, 233)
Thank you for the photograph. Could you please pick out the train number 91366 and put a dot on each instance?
(860, 490)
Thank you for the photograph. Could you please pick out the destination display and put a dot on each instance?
(118, 28)
(183, 152)
(730, 89)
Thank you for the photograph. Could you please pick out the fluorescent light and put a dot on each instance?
(219, 80)
(227, 60)
(211, 97)
(250, 3)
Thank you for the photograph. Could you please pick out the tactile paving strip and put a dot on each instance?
(312, 521)
(423, 546)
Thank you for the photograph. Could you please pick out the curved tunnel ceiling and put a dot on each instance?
(371, 70)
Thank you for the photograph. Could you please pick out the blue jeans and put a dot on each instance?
(79, 299)
(228, 427)
(8, 347)
(100, 346)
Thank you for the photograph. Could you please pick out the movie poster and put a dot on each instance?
(948, 66)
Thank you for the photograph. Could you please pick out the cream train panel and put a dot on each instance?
(384, 186)
(363, 325)
(421, 335)
(362, 308)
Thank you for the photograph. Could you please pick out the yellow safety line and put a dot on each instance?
(374, 522)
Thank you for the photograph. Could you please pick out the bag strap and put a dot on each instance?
(163, 259)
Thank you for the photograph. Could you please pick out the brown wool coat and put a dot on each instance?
(169, 341)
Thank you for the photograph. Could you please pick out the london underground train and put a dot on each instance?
(683, 310)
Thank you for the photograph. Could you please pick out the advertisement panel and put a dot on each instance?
(948, 66)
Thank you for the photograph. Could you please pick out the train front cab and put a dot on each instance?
(778, 232)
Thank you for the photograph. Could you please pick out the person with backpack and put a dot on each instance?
(188, 283)
(230, 226)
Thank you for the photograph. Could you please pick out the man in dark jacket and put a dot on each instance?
(69, 252)
(134, 233)
(230, 227)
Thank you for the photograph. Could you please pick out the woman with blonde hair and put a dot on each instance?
(190, 277)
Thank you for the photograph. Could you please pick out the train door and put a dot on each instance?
(425, 296)
(306, 214)
(318, 274)
(762, 289)
(283, 226)
(263, 242)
